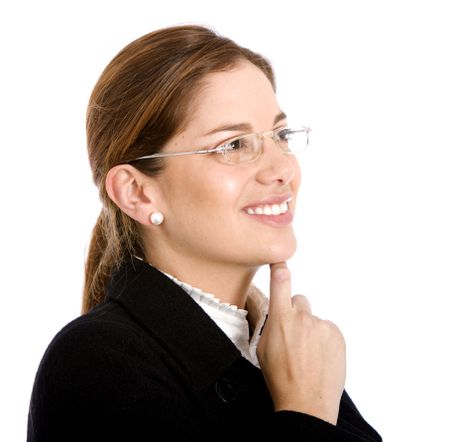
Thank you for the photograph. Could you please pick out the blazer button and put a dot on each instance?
(225, 391)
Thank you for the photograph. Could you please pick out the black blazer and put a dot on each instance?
(149, 364)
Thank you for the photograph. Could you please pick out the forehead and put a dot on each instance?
(242, 94)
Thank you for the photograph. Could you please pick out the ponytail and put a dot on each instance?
(95, 277)
(114, 237)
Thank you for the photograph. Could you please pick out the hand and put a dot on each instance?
(301, 356)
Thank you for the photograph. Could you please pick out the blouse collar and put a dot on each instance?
(231, 319)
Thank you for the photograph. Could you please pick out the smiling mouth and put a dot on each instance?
(269, 209)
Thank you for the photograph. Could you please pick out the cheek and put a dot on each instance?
(204, 193)
(297, 179)
(221, 188)
(231, 187)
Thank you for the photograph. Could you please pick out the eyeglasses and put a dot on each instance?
(246, 148)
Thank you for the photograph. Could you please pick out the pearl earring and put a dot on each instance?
(156, 218)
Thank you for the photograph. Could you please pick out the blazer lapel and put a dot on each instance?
(174, 320)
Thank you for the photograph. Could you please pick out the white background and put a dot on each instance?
(370, 78)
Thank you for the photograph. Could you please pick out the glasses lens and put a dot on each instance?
(248, 147)
(292, 141)
(241, 150)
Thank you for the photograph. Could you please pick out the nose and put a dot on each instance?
(276, 166)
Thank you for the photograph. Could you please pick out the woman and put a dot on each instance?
(192, 156)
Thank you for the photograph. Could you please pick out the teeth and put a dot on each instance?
(267, 210)
(273, 209)
(276, 209)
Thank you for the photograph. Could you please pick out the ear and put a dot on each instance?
(131, 191)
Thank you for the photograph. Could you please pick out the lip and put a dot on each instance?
(274, 220)
(276, 199)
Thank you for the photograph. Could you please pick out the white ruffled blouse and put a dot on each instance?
(233, 320)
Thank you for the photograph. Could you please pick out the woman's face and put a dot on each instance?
(205, 202)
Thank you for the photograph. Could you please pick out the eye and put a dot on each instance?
(285, 134)
(236, 144)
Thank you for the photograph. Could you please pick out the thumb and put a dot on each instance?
(280, 289)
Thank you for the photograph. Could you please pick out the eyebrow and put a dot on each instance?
(243, 126)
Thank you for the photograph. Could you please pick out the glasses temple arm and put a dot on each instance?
(175, 154)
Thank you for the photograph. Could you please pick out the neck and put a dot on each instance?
(229, 283)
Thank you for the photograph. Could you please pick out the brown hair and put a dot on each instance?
(141, 100)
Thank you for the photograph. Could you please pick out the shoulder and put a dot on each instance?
(104, 324)
(97, 350)
(103, 374)
(104, 358)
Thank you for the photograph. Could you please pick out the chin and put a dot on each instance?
(280, 251)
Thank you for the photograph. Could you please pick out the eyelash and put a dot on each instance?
(239, 136)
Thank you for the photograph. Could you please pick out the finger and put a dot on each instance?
(301, 302)
(280, 289)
